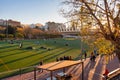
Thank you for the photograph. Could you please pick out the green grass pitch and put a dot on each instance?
(12, 57)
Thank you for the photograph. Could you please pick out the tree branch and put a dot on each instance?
(99, 23)
(108, 21)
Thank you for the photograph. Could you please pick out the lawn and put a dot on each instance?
(12, 57)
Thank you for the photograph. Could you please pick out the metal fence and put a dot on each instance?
(18, 74)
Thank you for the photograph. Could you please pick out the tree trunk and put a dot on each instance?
(116, 42)
(117, 50)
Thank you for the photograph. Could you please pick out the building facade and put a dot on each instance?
(14, 23)
(9, 22)
(54, 27)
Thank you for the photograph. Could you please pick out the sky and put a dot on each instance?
(31, 11)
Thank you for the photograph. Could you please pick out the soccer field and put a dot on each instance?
(13, 57)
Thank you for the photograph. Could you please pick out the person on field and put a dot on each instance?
(57, 59)
(41, 63)
(21, 45)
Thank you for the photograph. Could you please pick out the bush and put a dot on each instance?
(2, 36)
(49, 49)
(19, 35)
(30, 47)
(42, 47)
(10, 35)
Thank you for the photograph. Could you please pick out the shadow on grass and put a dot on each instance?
(27, 70)
(18, 72)
(41, 58)
(54, 56)
(22, 58)
(12, 54)
(7, 48)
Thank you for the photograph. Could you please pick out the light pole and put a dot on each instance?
(6, 30)
(81, 32)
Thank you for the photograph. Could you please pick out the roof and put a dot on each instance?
(58, 65)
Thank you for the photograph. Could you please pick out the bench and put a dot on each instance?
(114, 73)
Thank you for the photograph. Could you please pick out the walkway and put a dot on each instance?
(92, 70)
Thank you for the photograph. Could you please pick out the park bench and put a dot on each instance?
(114, 73)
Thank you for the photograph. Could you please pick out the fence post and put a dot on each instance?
(82, 70)
(35, 73)
(20, 73)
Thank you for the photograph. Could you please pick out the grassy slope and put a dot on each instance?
(11, 57)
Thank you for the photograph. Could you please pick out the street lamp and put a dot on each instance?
(6, 30)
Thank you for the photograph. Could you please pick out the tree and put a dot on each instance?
(27, 31)
(73, 24)
(36, 33)
(105, 46)
(2, 36)
(19, 35)
(10, 30)
(105, 15)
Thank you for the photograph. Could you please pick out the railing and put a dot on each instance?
(19, 73)
(114, 75)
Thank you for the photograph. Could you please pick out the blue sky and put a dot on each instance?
(31, 11)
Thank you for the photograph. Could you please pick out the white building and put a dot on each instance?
(3, 22)
(54, 27)
(36, 25)
(32, 26)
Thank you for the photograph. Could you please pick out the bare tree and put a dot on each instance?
(27, 31)
(104, 14)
